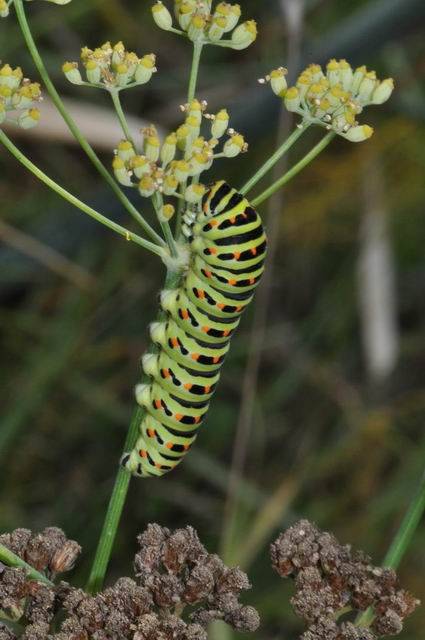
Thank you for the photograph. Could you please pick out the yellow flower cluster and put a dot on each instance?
(335, 99)
(111, 67)
(163, 166)
(202, 24)
(18, 96)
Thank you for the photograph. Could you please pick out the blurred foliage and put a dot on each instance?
(327, 443)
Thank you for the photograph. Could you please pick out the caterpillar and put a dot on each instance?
(227, 250)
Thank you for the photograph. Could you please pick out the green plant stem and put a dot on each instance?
(120, 490)
(401, 542)
(128, 235)
(299, 166)
(115, 95)
(270, 163)
(32, 47)
(12, 560)
(193, 80)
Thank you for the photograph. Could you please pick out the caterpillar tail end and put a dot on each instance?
(131, 462)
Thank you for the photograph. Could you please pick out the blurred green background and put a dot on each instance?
(321, 408)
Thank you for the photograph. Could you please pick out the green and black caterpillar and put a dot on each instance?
(228, 246)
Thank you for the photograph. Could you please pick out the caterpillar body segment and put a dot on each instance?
(228, 246)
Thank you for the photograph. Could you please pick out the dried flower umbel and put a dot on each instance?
(333, 99)
(331, 579)
(174, 574)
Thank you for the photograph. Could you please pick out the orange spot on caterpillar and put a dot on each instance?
(213, 223)
(205, 329)
(166, 373)
(157, 465)
(254, 251)
(157, 404)
(143, 454)
(151, 433)
(207, 389)
(232, 282)
(232, 219)
(239, 309)
(226, 333)
(237, 255)
(169, 445)
(178, 416)
(174, 342)
(195, 356)
(188, 386)
(212, 251)
(208, 274)
(197, 419)
(201, 294)
(252, 281)
(186, 447)
(185, 314)
(216, 359)
(220, 305)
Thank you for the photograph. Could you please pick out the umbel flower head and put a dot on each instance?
(333, 99)
(111, 67)
(18, 95)
(164, 165)
(201, 23)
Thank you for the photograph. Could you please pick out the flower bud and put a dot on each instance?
(220, 124)
(4, 9)
(194, 193)
(72, 72)
(195, 110)
(359, 133)
(234, 146)
(345, 74)
(121, 172)
(152, 147)
(185, 12)
(278, 81)
(232, 13)
(125, 150)
(166, 213)
(9, 77)
(122, 74)
(383, 91)
(93, 71)
(181, 170)
(292, 99)
(196, 27)
(26, 95)
(29, 118)
(6, 95)
(182, 134)
(244, 35)
(217, 28)
(145, 69)
(140, 166)
(64, 558)
(162, 16)
(146, 186)
(118, 53)
(168, 150)
(170, 185)
(367, 87)
(358, 76)
(200, 162)
(193, 126)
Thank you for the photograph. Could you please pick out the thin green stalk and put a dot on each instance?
(193, 80)
(299, 166)
(128, 235)
(400, 543)
(158, 203)
(120, 490)
(32, 47)
(270, 163)
(115, 95)
(12, 560)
